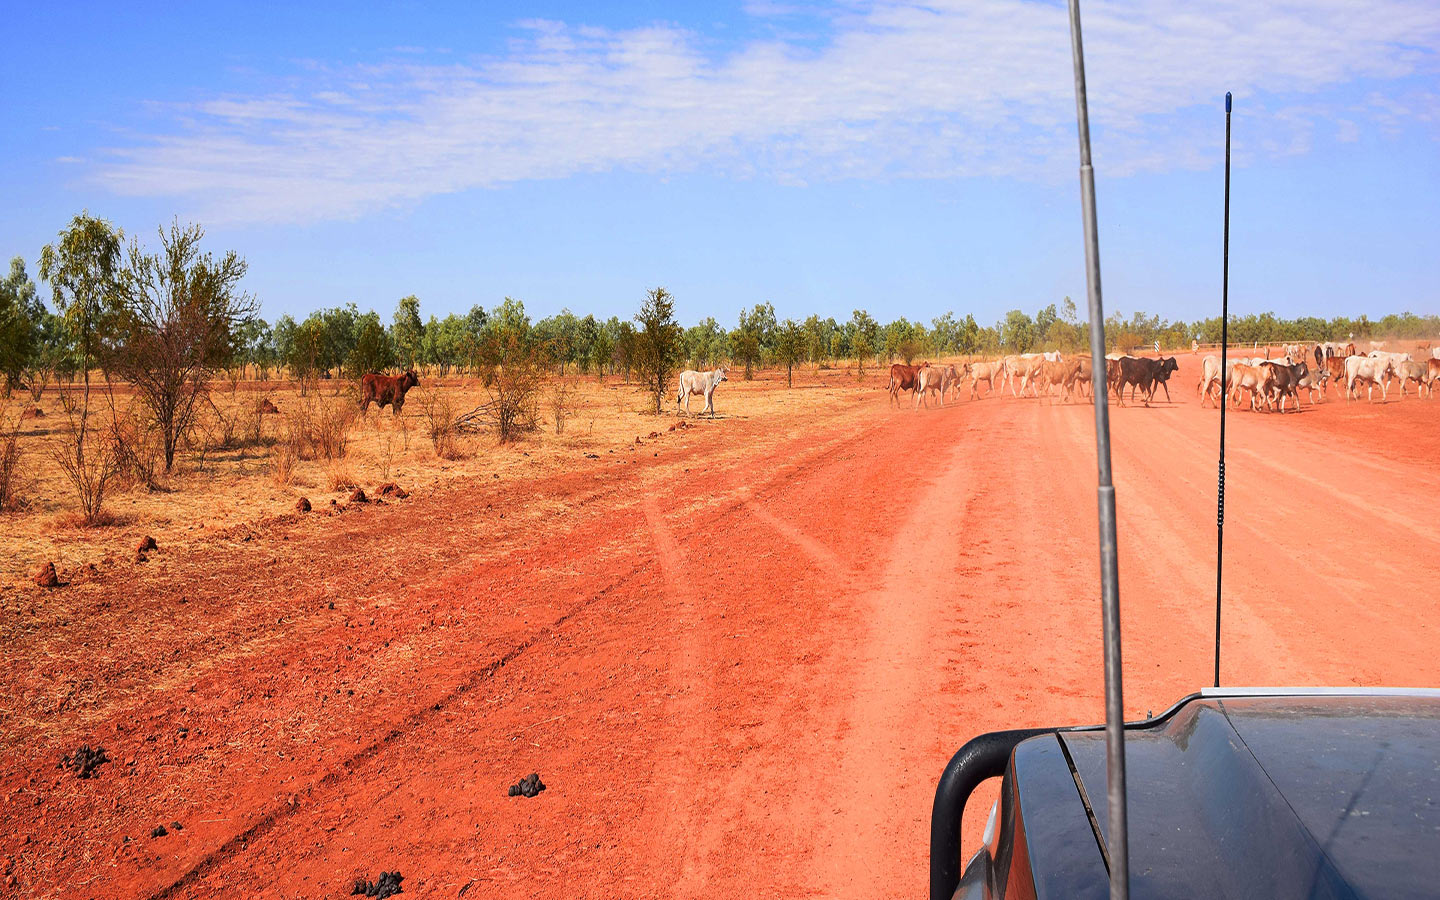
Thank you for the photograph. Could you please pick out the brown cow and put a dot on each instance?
(386, 390)
(1055, 374)
(902, 378)
(1079, 374)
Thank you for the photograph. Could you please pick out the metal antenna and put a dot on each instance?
(1119, 843)
(1224, 400)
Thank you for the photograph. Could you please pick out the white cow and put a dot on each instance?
(1209, 379)
(704, 383)
(1369, 370)
(1408, 370)
(936, 379)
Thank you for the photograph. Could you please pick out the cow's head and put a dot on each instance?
(409, 380)
(1168, 366)
(720, 374)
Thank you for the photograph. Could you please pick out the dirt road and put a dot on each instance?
(738, 654)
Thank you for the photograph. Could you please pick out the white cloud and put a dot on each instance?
(894, 90)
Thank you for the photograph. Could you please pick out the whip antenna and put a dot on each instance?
(1119, 843)
(1224, 390)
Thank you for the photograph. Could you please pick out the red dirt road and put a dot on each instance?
(739, 665)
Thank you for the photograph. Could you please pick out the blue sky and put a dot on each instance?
(907, 159)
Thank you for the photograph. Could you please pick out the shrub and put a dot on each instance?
(321, 429)
(9, 462)
(88, 465)
(135, 448)
(283, 457)
(562, 403)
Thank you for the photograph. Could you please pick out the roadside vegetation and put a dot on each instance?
(150, 370)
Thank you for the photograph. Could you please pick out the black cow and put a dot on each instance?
(1142, 373)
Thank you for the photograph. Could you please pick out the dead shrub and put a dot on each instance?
(514, 404)
(320, 428)
(563, 403)
(136, 449)
(88, 463)
(9, 462)
(332, 427)
(439, 415)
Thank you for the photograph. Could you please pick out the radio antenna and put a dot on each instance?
(1224, 390)
(1119, 843)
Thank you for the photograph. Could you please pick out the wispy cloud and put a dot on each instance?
(894, 90)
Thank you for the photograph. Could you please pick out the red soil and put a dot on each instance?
(738, 665)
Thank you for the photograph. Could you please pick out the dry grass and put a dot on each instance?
(281, 467)
(305, 442)
(340, 477)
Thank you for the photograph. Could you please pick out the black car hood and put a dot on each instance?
(1276, 796)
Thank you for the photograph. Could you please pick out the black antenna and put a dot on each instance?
(1224, 400)
(1119, 843)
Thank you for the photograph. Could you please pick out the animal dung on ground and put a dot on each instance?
(359, 496)
(45, 576)
(84, 761)
(268, 408)
(147, 544)
(387, 884)
(302, 505)
(391, 489)
(528, 786)
(158, 831)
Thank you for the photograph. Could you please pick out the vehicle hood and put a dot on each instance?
(1277, 796)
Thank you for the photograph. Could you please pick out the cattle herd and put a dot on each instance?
(1269, 383)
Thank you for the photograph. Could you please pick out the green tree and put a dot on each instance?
(373, 350)
(1017, 331)
(179, 325)
(789, 347)
(408, 332)
(658, 345)
(22, 318)
(83, 268)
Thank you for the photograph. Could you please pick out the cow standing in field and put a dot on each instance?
(1259, 380)
(1368, 371)
(1162, 376)
(1432, 373)
(386, 390)
(902, 378)
(1078, 375)
(1209, 386)
(703, 383)
(933, 380)
(1287, 381)
(1313, 381)
(957, 379)
(1335, 369)
(988, 372)
(1141, 372)
(1025, 366)
(1055, 374)
(1408, 370)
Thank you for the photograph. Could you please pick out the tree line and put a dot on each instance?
(91, 321)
